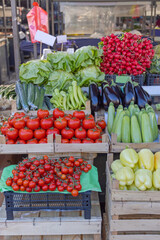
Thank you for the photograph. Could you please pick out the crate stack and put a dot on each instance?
(82, 220)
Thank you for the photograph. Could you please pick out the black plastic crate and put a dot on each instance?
(153, 79)
(138, 78)
(55, 201)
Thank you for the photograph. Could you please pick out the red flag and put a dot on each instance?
(37, 20)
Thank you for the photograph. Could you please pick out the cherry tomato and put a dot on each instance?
(60, 188)
(25, 183)
(20, 182)
(78, 187)
(71, 159)
(41, 182)
(77, 163)
(74, 193)
(58, 113)
(69, 188)
(32, 184)
(9, 181)
(42, 113)
(28, 189)
(33, 123)
(15, 187)
(22, 188)
(37, 189)
(52, 187)
(45, 188)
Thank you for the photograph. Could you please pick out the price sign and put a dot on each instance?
(45, 38)
(61, 38)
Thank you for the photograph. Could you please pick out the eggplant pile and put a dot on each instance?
(132, 92)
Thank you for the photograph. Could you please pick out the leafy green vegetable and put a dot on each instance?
(87, 56)
(89, 74)
(62, 61)
(155, 65)
(59, 79)
(35, 71)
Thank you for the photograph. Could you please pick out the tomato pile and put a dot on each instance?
(76, 128)
(129, 54)
(34, 175)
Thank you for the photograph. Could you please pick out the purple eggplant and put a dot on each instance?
(94, 96)
(111, 95)
(103, 98)
(129, 94)
(117, 90)
(147, 96)
(140, 97)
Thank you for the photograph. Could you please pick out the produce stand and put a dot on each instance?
(130, 214)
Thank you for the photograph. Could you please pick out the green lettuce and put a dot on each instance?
(87, 56)
(59, 79)
(35, 71)
(62, 61)
(155, 65)
(89, 74)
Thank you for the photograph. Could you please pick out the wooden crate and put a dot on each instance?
(26, 148)
(133, 215)
(58, 225)
(34, 113)
(81, 147)
(117, 147)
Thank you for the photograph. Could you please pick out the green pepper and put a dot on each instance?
(81, 96)
(75, 93)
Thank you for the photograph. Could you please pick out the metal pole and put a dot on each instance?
(52, 16)
(15, 37)
(4, 18)
(27, 4)
(59, 19)
(154, 25)
(47, 9)
(34, 44)
(151, 19)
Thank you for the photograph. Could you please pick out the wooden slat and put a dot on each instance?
(149, 225)
(51, 237)
(122, 208)
(10, 237)
(134, 237)
(31, 238)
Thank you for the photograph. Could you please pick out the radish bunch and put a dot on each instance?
(129, 54)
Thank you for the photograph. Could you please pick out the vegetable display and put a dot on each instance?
(132, 125)
(76, 128)
(137, 171)
(8, 91)
(45, 174)
(73, 99)
(127, 54)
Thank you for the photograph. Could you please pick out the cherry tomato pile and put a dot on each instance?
(34, 175)
(129, 54)
(76, 128)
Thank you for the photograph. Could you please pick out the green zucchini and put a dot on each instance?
(25, 88)
(22, 96)
(147, 135)
(131, 108)
(41, 99)
(153, 123)
(44, 106)
(126, 129)
(135, 130)
(111, 116)
(37, 95)
(119, 110)
(31, 96)
(118, 128)
(18, 102)
(48, 103)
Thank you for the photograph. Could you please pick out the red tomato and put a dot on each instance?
(67, 116)
(20, 182)
(39, 133)
(93, 134)
(87, 140)
(58, 113)
(33, 123)
(42, 113)
(79, 114)
(98, 140)
(32, 184)
(75, 140)
(11, 120)
(37, 189)
(52, 187)
(4, 128)
(12, 133)
(25, 134)
(64, 170)
(32, 141)
(74, 123)
(25, 118)
(25, 183)
(77, 163)
(67, 133)
(19, 123)
(88, 123)
(74, 193)
(60, 188)
(69, 188)
(101, 123)
(78, 187)
(28, 189)
(45, 188)
(60, 123)
(43, 140)
(20, 142)
(10, 141)
(80, 133)
(19, 114)
(9, 181)
(46, 123)
(53, 131)
(63, 140)
(15, 187)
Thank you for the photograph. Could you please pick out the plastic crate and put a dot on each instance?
(139, 79)
(55, 201)
(153, 79)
